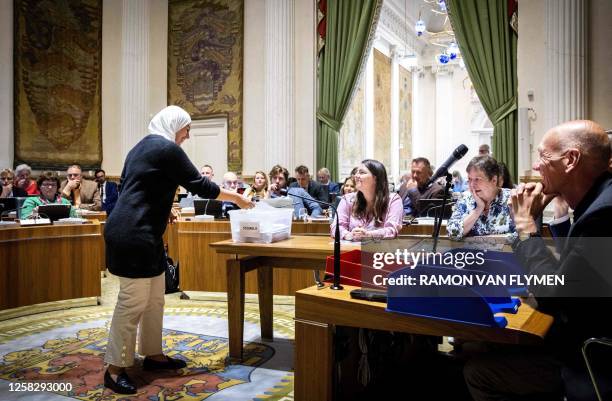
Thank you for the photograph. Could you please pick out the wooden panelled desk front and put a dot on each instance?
(201, 269)
(318, 311)
(298, 252)
(49, 263)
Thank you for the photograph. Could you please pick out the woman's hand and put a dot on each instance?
(235, 197)
(243, 202)
(6, 190)
(481, 205)
(359, 233)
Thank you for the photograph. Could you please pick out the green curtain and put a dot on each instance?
(350, 26)
(488, 47)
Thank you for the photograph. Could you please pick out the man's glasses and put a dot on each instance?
(74, 175)
(49, 185)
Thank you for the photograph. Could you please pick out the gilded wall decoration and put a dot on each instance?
(205, 59)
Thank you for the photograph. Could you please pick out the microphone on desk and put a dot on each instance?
(443, 169)
(336, 284)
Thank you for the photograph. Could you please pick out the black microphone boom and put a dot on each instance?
(336, 285)
(443, 169)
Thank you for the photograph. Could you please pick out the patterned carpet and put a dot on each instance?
(68, 347)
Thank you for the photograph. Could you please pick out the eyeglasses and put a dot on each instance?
(6, 178)
(49, 185)
(74, 174)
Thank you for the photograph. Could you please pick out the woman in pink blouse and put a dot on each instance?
(371, 212)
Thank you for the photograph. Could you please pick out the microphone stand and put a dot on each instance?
(440, 213)
(336, 284)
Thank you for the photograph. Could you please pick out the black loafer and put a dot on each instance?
(123, 385)
(169, 363)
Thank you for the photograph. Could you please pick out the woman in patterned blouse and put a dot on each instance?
(483, 210)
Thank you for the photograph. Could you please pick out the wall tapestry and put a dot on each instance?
(205, 58)
(57, 78)
(382, 109)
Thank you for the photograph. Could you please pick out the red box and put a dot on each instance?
(353, 272)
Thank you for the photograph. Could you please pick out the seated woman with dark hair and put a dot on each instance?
(483, 210)
(371, 212)
(48, 183)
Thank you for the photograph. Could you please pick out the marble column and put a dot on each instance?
(444, 114)
(566, 58)
(134, 72)
(279, 101)
(395, 142)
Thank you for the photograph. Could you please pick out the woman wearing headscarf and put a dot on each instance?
(153, 170)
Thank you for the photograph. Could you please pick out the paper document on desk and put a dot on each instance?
(493, 242)
(85, 212)
(280, 202)
(428, 221)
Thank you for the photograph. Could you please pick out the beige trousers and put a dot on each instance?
(140, 303)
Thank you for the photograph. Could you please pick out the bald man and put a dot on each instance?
(573, 163)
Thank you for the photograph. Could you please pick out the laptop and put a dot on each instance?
(54, 212)
(430, 207)
(210, 207)
(7, 204)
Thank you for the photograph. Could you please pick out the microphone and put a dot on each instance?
(443, 169)
(336, 285)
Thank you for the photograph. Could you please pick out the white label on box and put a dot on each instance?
(249, 229)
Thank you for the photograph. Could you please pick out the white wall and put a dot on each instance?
(6, 84)
(442, 114)
(531, 55)
(253, 135)
(600, 62)
(112, 160)
(305, 83)
(113, 57)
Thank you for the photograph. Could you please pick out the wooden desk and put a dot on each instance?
(95, 215)
(298, 252)
(317, 312)
(170, 237)
(202, 269)
(49, 263)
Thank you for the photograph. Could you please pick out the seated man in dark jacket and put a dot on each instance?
(573, 164)
(416, 188)
(313, 188)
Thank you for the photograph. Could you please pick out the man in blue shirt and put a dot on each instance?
(278, 178)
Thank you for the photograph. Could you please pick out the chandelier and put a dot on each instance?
(443, 38)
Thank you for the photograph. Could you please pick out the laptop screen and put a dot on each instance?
(211, 207)
(54, 212)
(8, 204)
